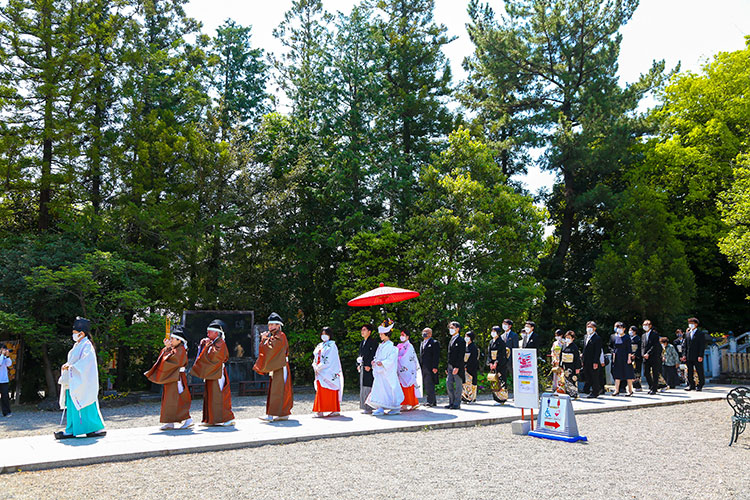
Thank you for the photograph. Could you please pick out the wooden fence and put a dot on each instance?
(735, 363)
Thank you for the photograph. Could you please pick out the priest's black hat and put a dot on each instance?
(82, 325)
(275, 319)
(217, 324)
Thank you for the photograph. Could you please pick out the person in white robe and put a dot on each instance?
(386, 394)
(409, 373)
(79, 381)
(329, 378)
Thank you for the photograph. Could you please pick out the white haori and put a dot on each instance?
(386, 390)
(328, 370)
(409, 371)
(82, 378)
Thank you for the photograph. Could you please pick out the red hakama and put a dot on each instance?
(410, 398)
(326, 400)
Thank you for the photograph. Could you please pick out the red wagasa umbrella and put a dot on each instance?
(383, 295)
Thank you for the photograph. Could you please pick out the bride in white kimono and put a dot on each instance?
(386, 391)
(329, 378)
(79, 380)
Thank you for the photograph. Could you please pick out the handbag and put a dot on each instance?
(492, 377)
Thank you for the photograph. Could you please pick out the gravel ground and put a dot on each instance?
(669, 452)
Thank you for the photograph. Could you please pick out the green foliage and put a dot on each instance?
(735, 209)
(643, 271)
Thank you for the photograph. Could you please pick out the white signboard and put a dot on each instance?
(525, 379)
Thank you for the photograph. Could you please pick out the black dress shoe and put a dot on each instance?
(96, 434)
(448, 407)
(592, 396)
(699, 389)
(62, 435)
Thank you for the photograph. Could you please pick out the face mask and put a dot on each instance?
(467, 339)
(567, 341)
(493, 334)
(452, 331)
(77, 337)
(589, 330)
(527, 329)
(506, 327)
(620, 331)
(646, 328)
(558, 340)
(325, 338)
(691, 327)
(424, 335)
(403, 338)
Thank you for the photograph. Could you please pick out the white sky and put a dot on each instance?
(686, 31)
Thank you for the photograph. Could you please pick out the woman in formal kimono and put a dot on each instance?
(169, 372)
(329, 379)
(554, 359)
(497, 363)
(570, 361)
(386, 394)
(409, 373)
(79, 381)
(210, 366)
(622, 360)
(471, 364)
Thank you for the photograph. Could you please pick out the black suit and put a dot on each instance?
(533, 341)
(695, 347)
(367, 350)
(429, 357)
(652, 366)
(456, 352)
(592, 353)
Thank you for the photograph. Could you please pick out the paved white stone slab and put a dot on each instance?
(44, 452)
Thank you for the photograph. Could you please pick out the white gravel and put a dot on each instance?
(669, 452)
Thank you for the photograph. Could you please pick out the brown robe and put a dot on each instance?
(175, 406)
(217, 403)
(272, 359)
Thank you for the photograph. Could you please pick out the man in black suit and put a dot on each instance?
(529, 338)
(455, 371)
(695, 346)
(367, 349)
(651, 350)
(592, 353)
(429, 357)
(510, 338)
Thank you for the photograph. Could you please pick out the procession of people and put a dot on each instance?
(392, 377)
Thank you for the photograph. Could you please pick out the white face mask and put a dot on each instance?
(403, 338)
(467, 339)
(646, 328)
(559, 340)
(506, 327)
(691, 327)
(325, 338)
(77, 336)
(589, 330)
(621, 331)
(493, 334)
(527, 329)
(452, 331)
(567, 341)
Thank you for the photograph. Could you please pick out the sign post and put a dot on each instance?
(556, 419)
(525, 381)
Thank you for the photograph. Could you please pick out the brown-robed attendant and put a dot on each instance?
(169, 372)
(209, 365)
(273, 360)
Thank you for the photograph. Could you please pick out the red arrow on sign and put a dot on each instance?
(552, 424)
